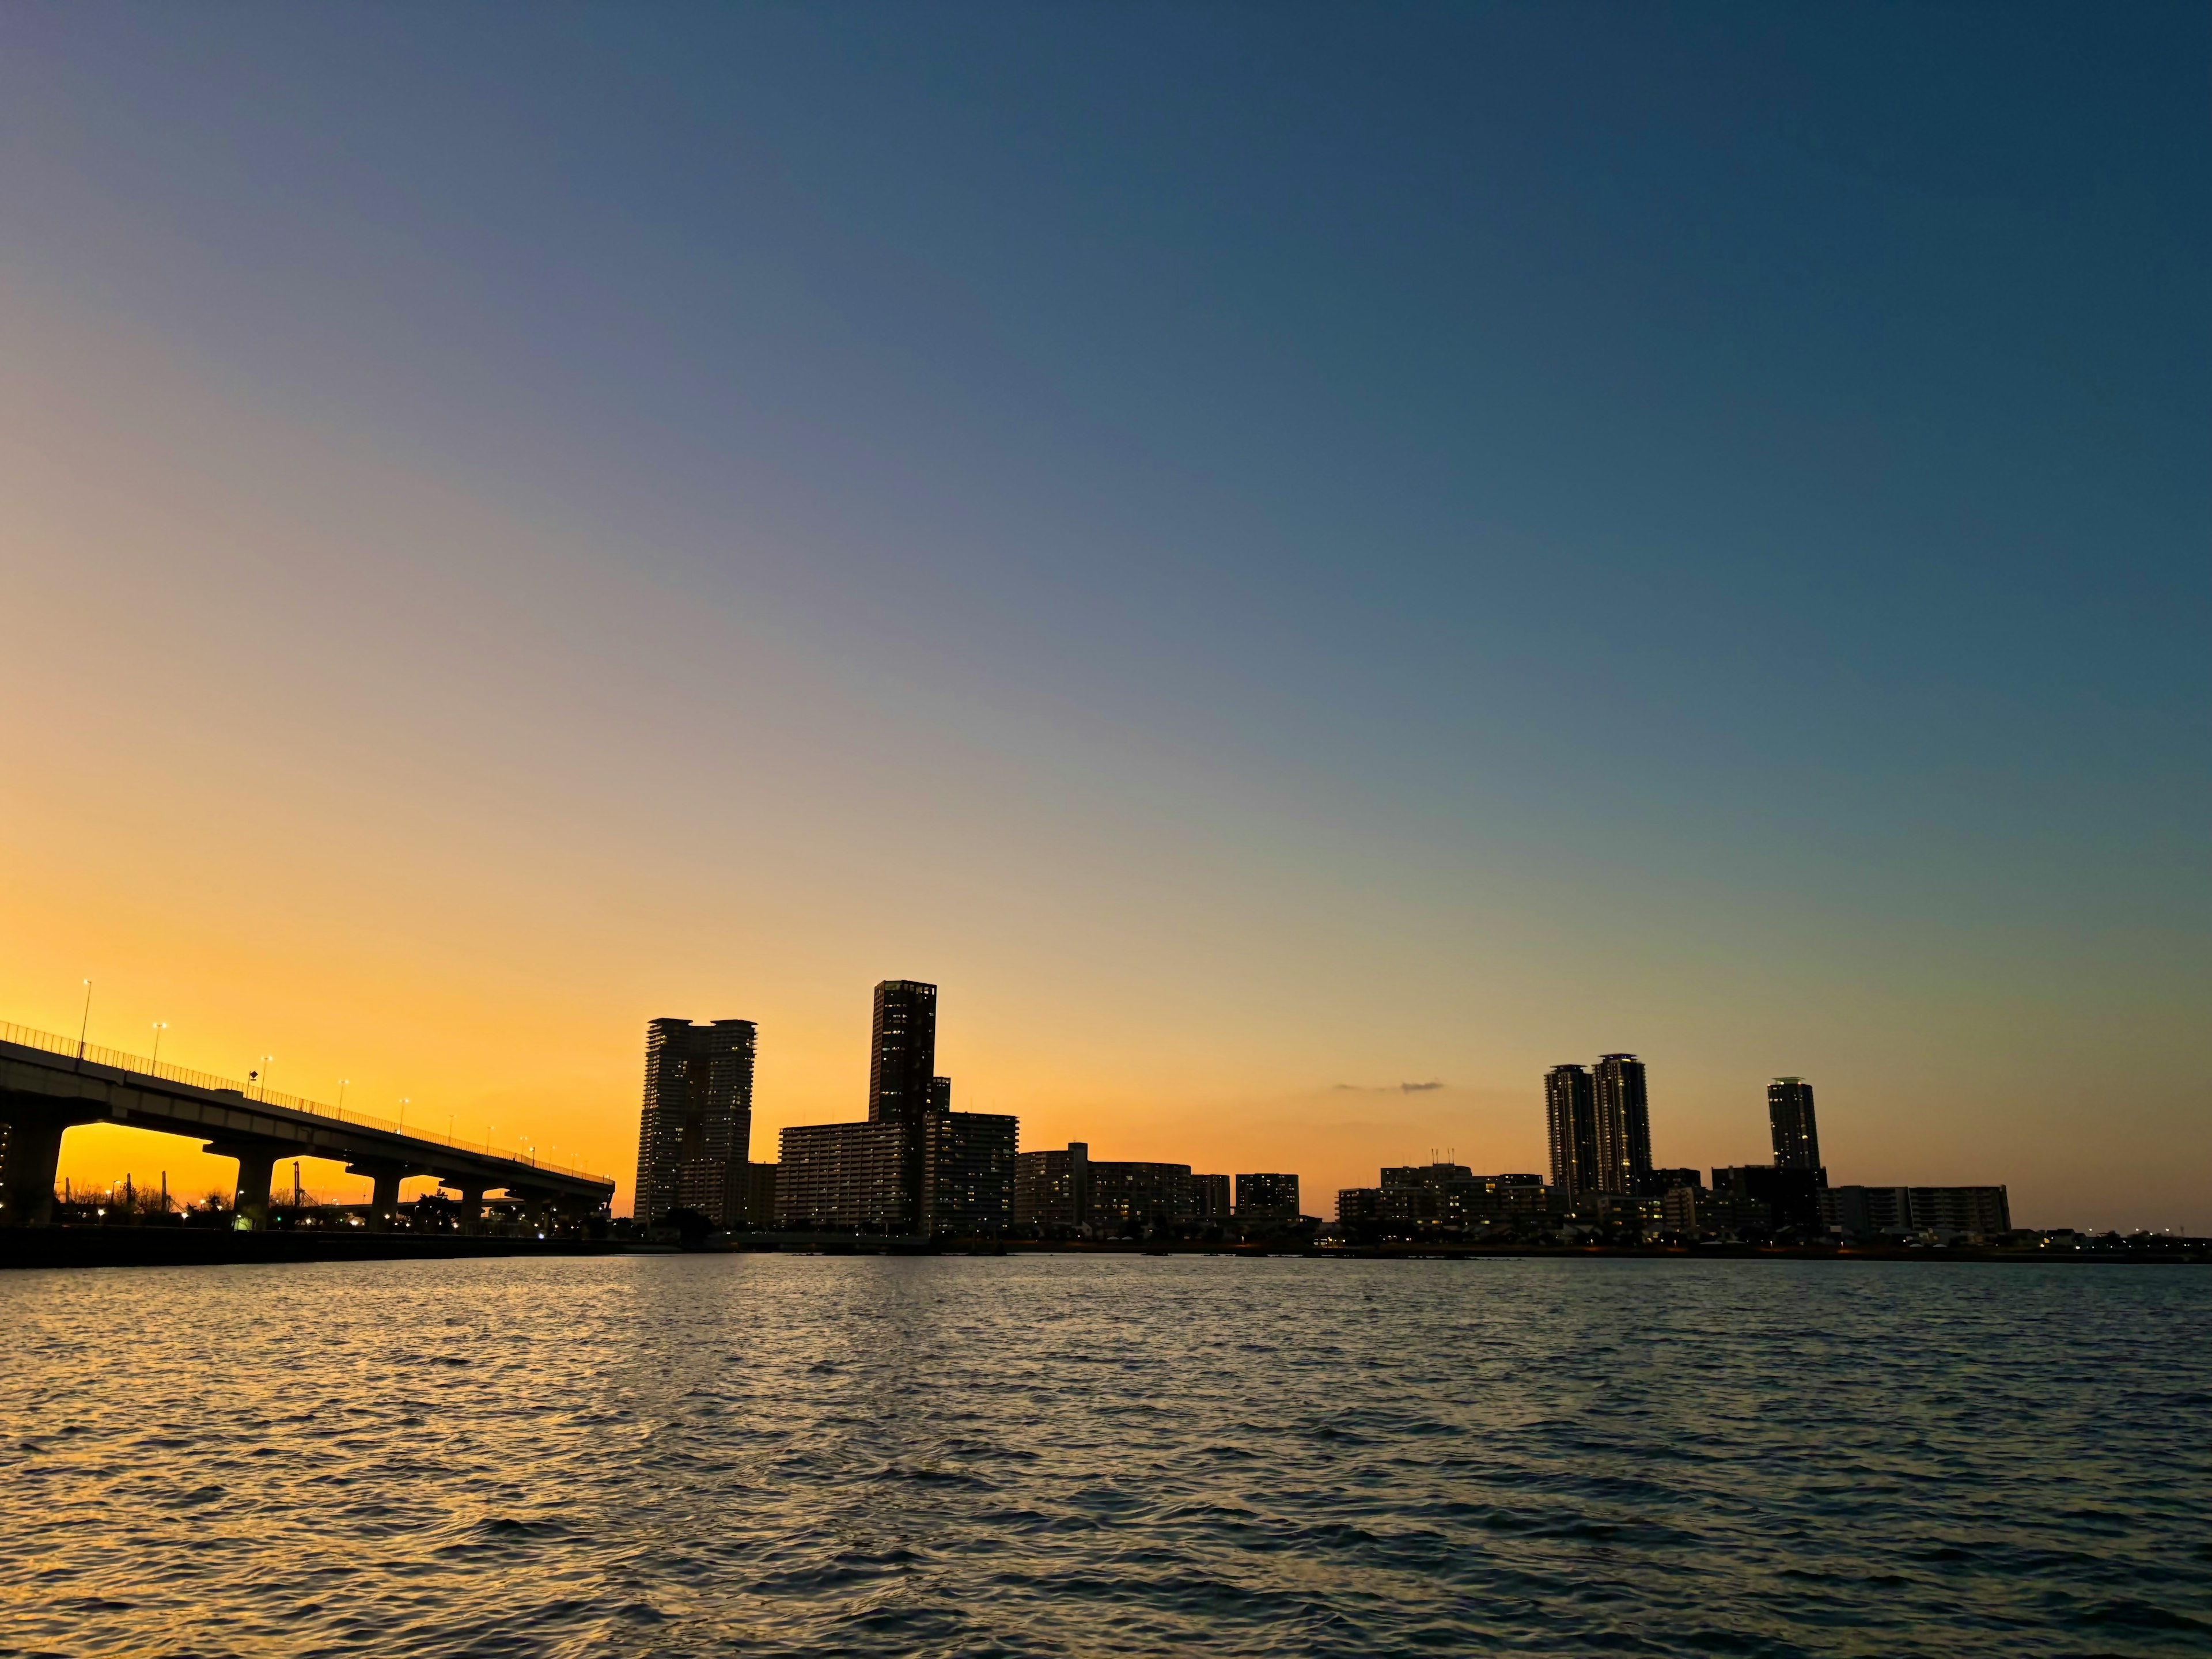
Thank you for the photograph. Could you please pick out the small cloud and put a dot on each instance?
(1418, 1087)
(1385, 1088)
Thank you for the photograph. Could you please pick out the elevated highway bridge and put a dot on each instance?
(49, 1084)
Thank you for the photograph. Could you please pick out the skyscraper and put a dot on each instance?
(1571, 1118)
(694, 1134)
(1624, 1125)
(916, 1165)
(1797, 1135)
(902, 1062)
(903, 1074)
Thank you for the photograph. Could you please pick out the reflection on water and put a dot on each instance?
(1053, 1456)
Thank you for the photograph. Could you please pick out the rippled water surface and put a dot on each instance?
(827, 1456)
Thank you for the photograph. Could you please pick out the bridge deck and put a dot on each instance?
(48, 1083)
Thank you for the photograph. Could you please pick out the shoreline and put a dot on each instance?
(154, 1247)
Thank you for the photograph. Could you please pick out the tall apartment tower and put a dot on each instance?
(1624, 1125)
(902, 1062)
(1797, 1135)
(1570, 1121)
(696, 1132)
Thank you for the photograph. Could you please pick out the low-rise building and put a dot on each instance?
(1268, 1201)
(1869, 1212)
(1052, 1190)
(1125, 1193)
(1791, 1196)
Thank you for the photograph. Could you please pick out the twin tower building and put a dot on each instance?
(914, 1166)
(1598, 1119)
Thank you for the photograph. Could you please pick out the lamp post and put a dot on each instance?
(342, 1088)
(84, 1025)
(266, 1067)
(160, 1026)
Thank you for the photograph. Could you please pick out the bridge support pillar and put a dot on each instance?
(256, 1164)
(384, 1203)
(26, 1173)
(471, 1207)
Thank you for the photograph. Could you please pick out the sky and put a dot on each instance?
(1304, 563)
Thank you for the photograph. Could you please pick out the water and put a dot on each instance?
(801, 1455)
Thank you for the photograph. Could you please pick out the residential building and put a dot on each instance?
(1267, 1200)
(916, 1165)
(844, 1178)
(1052, 1190)
(1694, 1212)
(1791, 1197)
(1452, 1196)
(1571, 1120)
(902, 1052)
(1870, 1211)
(1624, 1125)
(1146, 1195)
(1789, 1114)
(695, 1132)
(968, 1171)
(1066, 1192)
(1209, 1200)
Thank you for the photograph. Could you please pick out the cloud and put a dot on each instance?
(1385, 1088)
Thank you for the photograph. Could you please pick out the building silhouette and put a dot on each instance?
(903, 1053)
(1624, 1126)
(1796, 1134)
(1266, 1200)
(915, 1166)
(968, 1171)
(1571, 1126)
(1210, 1203)
(1418, 1198)
(694, 1133)
(1052, 1190)
(1790, 1196)
(1064, 1192)
(1126, 1192)
(1868, 1211)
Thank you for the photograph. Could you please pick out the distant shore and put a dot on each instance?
(158, 1246)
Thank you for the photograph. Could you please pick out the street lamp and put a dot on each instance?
(342, 1088)
(84, 1025)
(160, 1026)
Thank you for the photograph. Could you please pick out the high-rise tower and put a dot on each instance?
(1624, 1125)
(696, 1132)
(903, 1063)
(1797, 1135)
(1571, 1118)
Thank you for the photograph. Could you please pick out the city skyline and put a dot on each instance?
(1423, 544)
(693, 1132)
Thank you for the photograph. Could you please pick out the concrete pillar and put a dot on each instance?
(471, 1207)
(256, 1164)
(26, 1175)
(383, 1202)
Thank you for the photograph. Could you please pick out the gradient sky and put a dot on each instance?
(1275, 553)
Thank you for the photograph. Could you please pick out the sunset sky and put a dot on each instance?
(1276, 553)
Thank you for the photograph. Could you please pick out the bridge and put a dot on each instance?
(50, 1084)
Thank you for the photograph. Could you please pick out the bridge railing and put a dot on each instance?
(69, 1048)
